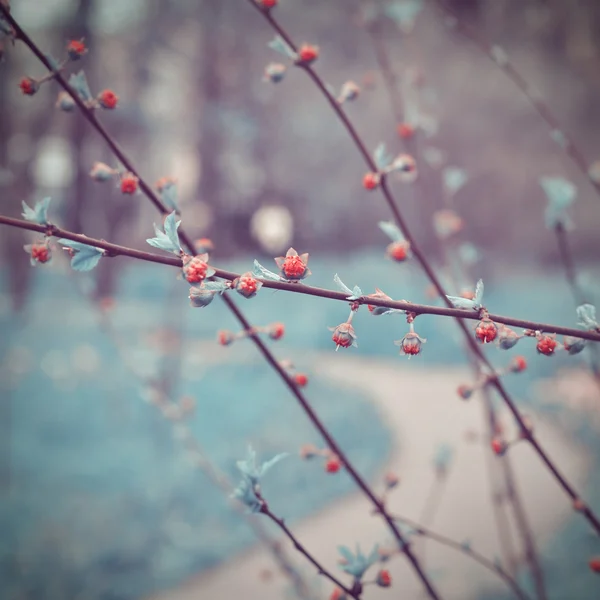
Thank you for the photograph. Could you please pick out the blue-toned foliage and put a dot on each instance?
(169, 239)
(39, 213)
(357, 564)
(454, 179)
(85, 257)
(381, 157)
(264, 273)
(391, 230)
(353, 294)
(586, 313)
(561, 194)
(280, 45)
(79, 83)
(474, 304)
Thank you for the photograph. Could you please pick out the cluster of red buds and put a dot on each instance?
(403, 164)
(275, 331)
(331, 461)
(128, 182)
(40, 252)
(75, 49)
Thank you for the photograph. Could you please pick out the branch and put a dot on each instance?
(418, 309)
(496, 54)
(431, 275)
(321, 570)
(467, 551)
(20, 34)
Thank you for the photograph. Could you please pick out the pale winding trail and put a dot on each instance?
(418, 404)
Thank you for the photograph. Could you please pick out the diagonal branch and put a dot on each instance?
(417, 309)
(20, 34)
(496, 54)
(431, 275)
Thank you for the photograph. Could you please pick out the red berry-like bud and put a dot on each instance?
(337, 594)
(268, 3)
(276, 331)
(293, 266)
(384, 579)
(225, 337)
(406, 131)
(29, 86)
(595, 564)
(108, 99)
(410, 344)
(371, 181)
(247, 285)
(398, 251)
(333, 464)
(464, 391)
(486, 331)
(499, 446)
(195, 269)
(129, 183)
(546, 344)
(39, 252)
(308, 53)
(76, 49)
(301, 379)
(391, 480)
(518, 364)
(343, 335)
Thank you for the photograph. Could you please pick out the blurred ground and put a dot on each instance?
(415, 403)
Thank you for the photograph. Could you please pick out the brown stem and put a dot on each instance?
(321, 570)
(20, 34)
(431, 275)
(480, 558)
(418, 309)
(543, 110)
(566, 258)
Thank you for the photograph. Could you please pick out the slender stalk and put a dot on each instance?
(456, 273)
(201, 461)
(296, 288)
(20, 34)
(497, 55)
(467, 551)
(321, 570)
(430, 273)
(566, 258)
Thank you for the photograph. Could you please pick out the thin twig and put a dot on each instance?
(501, 59)
(467, 551)
(20, 34)
(298, 288)
(321, 570)
(431, 275)
(566, 258)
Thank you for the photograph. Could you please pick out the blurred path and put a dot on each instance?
(420, 405)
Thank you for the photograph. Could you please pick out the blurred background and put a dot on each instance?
(107, 377)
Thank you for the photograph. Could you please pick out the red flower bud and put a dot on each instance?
(308, 53)
(76, 49)
(108, 99)
(371, 181)
(129, 183)
(29, 86)
(398, 251)
(406, 131)
(333, 464)
(546, 344)
(384, 579)
(486, 331)
(301, 379)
